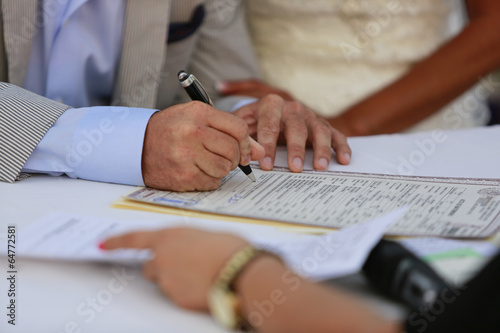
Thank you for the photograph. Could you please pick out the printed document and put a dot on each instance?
(76, 238)
(447, 207)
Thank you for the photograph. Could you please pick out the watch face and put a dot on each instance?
(222, 304)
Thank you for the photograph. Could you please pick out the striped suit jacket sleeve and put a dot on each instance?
(24, 119)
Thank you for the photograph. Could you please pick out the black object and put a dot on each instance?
(194, 88)
(399, 274)
(494, 106)
(435, 306)
(474, 307)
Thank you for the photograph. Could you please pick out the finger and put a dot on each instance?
(222, 145)
(258, 152)
(341, 147)
(322, 143)
(296, 133)
(194, 178)
(212, 166)
(270, 110)
(248, 114)
(233, 126)
(133, 240)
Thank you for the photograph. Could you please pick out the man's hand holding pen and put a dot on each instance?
(192, 146)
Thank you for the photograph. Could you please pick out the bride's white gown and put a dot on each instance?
(332, 53)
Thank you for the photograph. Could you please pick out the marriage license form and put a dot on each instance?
(461, 208)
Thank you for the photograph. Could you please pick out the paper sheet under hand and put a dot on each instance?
(337, 253)
(76, 238)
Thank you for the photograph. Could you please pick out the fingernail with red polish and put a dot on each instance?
(102, 246)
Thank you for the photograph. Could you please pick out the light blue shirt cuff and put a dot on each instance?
(96, 143)
(243, 103)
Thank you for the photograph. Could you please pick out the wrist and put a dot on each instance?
(351, 126)
(224, 302)
(261, 279)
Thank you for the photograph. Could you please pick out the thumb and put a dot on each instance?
(258, 152)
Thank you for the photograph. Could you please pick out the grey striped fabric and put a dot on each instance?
(20, 21)
(24, 119)
(3, 59)
(144, 49)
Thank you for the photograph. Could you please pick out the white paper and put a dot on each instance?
(76, 238)
(465, 153)
(73, 237)
(438, 207)
(337, 253)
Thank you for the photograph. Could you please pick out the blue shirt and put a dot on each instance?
(75, 56)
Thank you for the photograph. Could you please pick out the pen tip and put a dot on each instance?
(252, 177)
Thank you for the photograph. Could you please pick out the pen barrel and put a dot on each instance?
(245, 168)
(196, 94)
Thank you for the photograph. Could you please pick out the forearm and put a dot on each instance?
(283, 302)
(431, 84)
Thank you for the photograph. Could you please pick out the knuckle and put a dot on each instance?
(294, 107)
(233, 151)
(324, 151)
(187, 130)
(295, 150)
(273, 98)
(300, 130)
(187, 176)
(320, 127)
(242, 127)
(198, 106)
(223, 167)
(226, 167)
(209, 185)
(181, 153)
(272, 128)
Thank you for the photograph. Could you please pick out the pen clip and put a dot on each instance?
(202, 89)
(187, 80)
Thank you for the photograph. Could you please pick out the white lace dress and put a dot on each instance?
(331, 54)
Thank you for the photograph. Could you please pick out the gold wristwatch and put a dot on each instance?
(222, 300)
